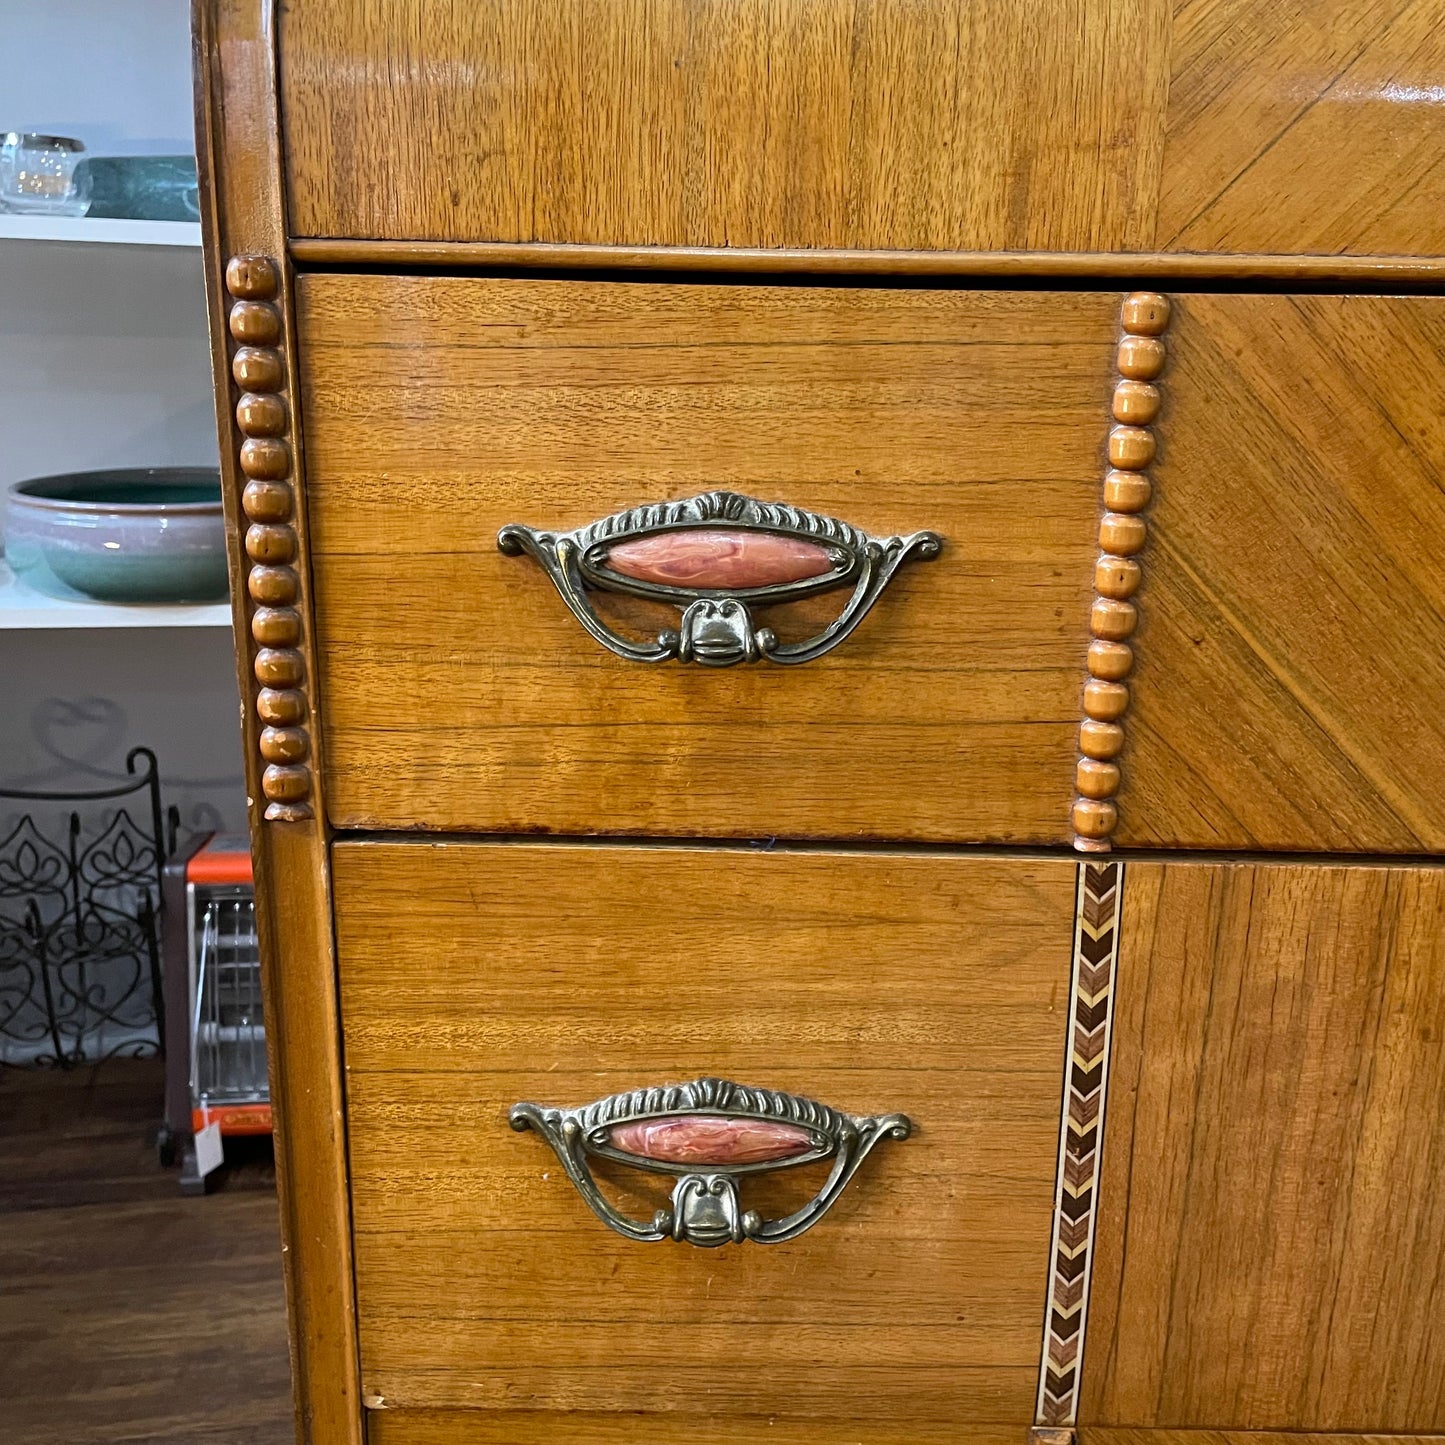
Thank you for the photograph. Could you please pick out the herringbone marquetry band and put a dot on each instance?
(1081, 1133)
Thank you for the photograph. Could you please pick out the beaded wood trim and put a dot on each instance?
(268, 501)
(1117, 574)
(1081, 1135)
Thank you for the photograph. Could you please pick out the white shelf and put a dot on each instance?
(100, 229)
(22, 608)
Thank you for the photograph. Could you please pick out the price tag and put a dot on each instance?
(210, 1153)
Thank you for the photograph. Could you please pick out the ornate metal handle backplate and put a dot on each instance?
(715, 556)
(709, 1134)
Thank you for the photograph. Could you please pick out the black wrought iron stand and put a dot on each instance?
(80, 971)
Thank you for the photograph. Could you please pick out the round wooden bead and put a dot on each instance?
(1106, 701)
(266, 501)
(282, 745)
(1094, 818)
(280, 708)
(1117, 576)
(1100, 739)
(1096, 779)
(257, 369)
(270, 544)
(283, 783)
(1127, 491)
(256, 323)
(273, 586)
(261, 414)
(1112, 620)
(265, 458)
(1140, 358)
(276, 626)
(252, 278)
(1122, 534)
(1145, 313)
(278, 667)
(1136, 403)
(1110, 660)
(1131, 447)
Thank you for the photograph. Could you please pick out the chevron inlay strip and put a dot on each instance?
(1081, 1133)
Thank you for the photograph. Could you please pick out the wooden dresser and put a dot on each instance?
(843, 655)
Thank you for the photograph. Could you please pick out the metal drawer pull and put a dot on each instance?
(707, 1135)
(715, 556)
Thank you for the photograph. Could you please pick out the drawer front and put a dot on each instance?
(461, 693)
(1070, 125)
(474, 976)
(1125, 1435)
(1270, 1222)
(1290, 686)
(474, 1427)
(1289, 682)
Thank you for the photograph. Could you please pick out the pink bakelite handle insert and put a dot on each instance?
(711, 1139)
(719, 558)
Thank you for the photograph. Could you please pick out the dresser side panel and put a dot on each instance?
(1271, 1229)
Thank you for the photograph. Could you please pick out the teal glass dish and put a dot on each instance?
(145, 534)
(142, 188)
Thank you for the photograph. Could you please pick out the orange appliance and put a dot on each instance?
(216, 1038)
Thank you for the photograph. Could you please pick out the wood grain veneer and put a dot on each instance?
(519, 1427)
(1271, 1230)
(727, 123)
(933, 985)
(1290, 686)
(1114, 1435)
(1130, 125)
(463, 695)
(1312, 128)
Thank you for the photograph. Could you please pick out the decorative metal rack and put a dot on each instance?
(80, 975)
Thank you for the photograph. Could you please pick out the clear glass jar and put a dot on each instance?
(38, 175)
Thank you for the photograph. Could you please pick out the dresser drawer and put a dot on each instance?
(473, 1427)
(462, 694)
(1056, 125)
(1290, 575)
(475, 976)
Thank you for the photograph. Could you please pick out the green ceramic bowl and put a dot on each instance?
(146, 534)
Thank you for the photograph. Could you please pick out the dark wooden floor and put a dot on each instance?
(128, 1313)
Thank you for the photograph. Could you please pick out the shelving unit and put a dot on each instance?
(99, 229)
(22, 608)
(107, 363)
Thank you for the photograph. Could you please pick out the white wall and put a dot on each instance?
(104, 357)
(105, 362)
(81, 700)
(116, 74)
